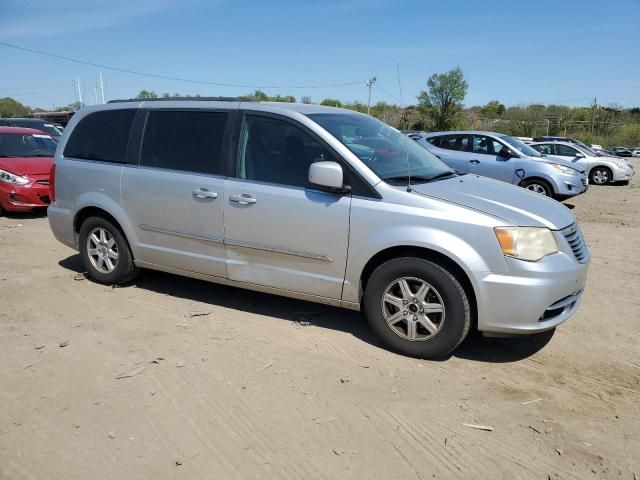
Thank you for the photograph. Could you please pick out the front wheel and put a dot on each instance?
(538, 186)
(417, 307)
(105, 252)
(600, 175)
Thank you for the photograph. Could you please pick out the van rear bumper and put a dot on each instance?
(61, 223)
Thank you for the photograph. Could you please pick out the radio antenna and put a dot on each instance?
(406, 150)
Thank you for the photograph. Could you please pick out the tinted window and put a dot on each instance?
(545, 148)
(26, 145)
(277, 152)
(565, 150)
(486, 145)
(434, 141)
(190, 141)
(455, 142)
(101, 136)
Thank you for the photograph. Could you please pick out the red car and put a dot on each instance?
(26, 156)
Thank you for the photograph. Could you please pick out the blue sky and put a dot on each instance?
(560, 51)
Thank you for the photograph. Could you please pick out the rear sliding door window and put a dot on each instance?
(101, 136)
(189, 141)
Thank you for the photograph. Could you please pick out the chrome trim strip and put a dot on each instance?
(237, 243)
(285, 251)
(178, 233)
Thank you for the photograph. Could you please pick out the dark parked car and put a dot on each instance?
(35, 123)
(622, 152)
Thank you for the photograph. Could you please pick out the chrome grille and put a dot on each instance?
(576, 241)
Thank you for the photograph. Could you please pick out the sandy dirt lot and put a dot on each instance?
(174, 378)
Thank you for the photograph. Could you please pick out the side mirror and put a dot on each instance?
(579, 155)
(328, 175)
(506, 153)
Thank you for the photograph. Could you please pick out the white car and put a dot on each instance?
(600, 169)
(636, 152)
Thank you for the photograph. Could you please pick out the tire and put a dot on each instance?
(437, 335)
(600, 176)
(109, 250)
(537, 185)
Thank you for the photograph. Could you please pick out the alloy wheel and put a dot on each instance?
(537, 188)
(413, 309)
(102, 250)
(600, 176)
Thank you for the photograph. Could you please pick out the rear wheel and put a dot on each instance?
(105, 252)
(600, 175)
(417, 307)
(538, 186)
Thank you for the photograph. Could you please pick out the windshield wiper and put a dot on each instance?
(421, 179)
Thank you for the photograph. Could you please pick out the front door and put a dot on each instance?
(279, 230)
(487, 161)
(174, 198)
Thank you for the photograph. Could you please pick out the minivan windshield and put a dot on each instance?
(389, 153)
(520, 146)
(26, 145)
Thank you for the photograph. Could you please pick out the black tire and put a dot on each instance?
(600, 175)
(454, 322)
(124, 270)
(537, 185)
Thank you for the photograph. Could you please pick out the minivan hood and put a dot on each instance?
(513, 204)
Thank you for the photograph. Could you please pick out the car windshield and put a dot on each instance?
(521, 147)
(587, 150)
(390, 154)
(26, 145)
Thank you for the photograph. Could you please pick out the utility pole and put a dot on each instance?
(593, 113)
(370, 83)
(78, 91)
(101, 87)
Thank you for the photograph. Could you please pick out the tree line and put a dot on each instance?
(440, 106)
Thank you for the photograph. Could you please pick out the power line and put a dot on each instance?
(176, 79)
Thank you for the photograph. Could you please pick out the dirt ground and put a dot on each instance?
(173, 378)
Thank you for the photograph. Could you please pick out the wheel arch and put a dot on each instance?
(88, 211)
(539, 178)
(425, 253)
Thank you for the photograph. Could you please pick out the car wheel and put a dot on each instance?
(105, 252)
(417, 307)
(600, 175)
(538, 186)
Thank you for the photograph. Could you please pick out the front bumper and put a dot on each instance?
(24, 198)
(533, 296)
(571, 185)
(623, 174)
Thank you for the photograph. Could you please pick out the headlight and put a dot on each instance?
(621, 164)
(526, 243)
(563, 169)
(8, 177)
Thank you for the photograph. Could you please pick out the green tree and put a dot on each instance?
(12, 108)
(443, 99)
(259, 95)
(305, 99)
(146, 95)
(493, 109)
(331, 102)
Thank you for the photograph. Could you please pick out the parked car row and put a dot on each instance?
(53, 130)
(545, 165)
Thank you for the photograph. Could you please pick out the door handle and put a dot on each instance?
(204, 193)
(474, 161)
(243, 199)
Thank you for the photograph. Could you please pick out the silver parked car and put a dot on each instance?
(317, 203)
(600, 168)
(505, 158)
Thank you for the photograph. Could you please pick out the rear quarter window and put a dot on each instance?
(101, 136)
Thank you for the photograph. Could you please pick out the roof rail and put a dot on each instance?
(173, 99)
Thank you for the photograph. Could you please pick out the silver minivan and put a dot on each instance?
(317, 203)
(505, 158)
